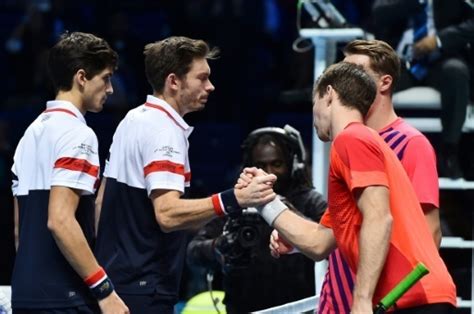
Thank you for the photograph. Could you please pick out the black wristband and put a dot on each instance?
(231, 205)
(103, 289)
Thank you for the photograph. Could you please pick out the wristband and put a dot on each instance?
(272, 210)
(225, 203)
(99, 284)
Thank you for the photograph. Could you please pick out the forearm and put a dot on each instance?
(173, 213)
(73, 245)
(311, 238)
(374, 239)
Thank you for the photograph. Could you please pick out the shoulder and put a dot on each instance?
(356, 135)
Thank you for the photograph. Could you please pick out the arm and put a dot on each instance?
(420, 164)
(432, 218)
(312, 239)
(173, 213)
(16, 219)
(67, 233)
(98, 203)
(374, 237)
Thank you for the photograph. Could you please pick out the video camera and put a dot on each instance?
(238, 244)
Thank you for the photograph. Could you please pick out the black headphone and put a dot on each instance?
(290, 135)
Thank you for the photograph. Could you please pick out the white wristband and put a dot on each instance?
(272, 210)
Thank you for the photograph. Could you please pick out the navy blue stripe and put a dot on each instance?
(390, 136)
(324, 295)
(387, 130)
(348, 273)
(341, 287)
(398, 141)
(331, 289)
(402, 152)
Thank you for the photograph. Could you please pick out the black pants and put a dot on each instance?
(451, 77)
(84, 309)
(148, 304)
(435, 308)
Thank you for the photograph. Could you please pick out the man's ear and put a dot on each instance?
(173, 82)
(80, 78)
(330, 93)
(386, 82)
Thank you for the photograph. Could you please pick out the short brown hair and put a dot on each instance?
(355, 88)
(383, 59)
(173, 55)
(75, 51)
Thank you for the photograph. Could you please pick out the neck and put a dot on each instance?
(172, 101)
(72, 97)
(341, 117)
(381, 113)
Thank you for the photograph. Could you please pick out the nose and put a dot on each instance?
(210, 87)
(109, 90)
(268, 169)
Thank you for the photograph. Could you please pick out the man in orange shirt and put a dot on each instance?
(374, 216)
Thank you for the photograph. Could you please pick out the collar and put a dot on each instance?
(67, 106)
(160, 104)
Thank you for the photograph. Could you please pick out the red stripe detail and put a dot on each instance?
(92, 279)
(75, 164)
(165, 111)
(217, 205)
(61, 110)
(187, 177)
(164, 165)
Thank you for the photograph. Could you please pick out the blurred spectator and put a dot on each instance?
(41, 25)
(435, 38)
(239, 245)
(128, 78)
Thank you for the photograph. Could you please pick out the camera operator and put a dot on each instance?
(252, 279)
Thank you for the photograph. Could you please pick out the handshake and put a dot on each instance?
(265, 199)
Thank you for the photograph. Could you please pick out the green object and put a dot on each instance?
(402, 287)
(202, 303)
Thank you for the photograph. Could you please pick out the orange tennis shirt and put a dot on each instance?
(360, 158)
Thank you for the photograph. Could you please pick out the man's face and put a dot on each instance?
(97, 89)
(321, 117)
(195, 87)
(270, 158)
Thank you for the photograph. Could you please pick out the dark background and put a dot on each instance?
(260, 81)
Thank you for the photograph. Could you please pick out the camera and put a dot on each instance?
(238, 244)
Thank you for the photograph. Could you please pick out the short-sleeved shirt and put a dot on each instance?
(57, 149)
(149, 151)
(419, 161)
(360, 158)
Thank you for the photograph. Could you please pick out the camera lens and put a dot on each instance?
(248, 236)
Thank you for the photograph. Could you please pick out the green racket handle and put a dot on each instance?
(402, 287)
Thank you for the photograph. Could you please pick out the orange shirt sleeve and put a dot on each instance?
(359, 159)
(326, 220)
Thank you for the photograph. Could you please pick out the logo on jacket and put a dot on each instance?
(167, 151)
(85, 149)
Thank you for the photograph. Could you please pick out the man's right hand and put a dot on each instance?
(113, 305)
(256, 192)
(278, 246)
